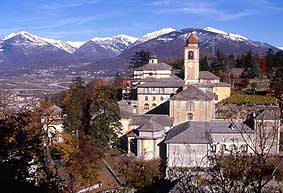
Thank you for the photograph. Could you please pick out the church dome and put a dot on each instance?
(192, 39)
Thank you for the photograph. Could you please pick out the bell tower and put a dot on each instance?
(191, 60)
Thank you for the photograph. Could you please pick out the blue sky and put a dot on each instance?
(80, 20)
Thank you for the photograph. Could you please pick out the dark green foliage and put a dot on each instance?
(140, 58)
(219, 63)
(203, 64)
(94, 112)
(105, 117)
(76, 105)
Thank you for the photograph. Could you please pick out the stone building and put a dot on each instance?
(174, 119)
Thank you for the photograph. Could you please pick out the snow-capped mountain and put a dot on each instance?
(171, 45)
(99, 48)
(75, 44)
(61, 45)
(153, 35)
(281, 48)
(113, 53)
(116, 43)
(231, 36)
(34, 40)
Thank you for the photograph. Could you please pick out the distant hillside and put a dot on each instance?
(171, 45)
(21, 50)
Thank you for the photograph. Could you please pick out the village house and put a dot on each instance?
(174, 119)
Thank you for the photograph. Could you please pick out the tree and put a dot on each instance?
(24, 166)
(105, 117)
(76, 105)
(203, 64)
(140, 58)
(219, 63)
(270, 63)
(141, 175)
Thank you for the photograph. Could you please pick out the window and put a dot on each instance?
(161, 90)
(212, 148)
(161, 98)
(232, 147)
(146, 106)
(244, 148)
(154, 105)
(146, 98)
(178, 116)
(191, 55)
(146, 90)
(190, 106)
(153, 98)
(190, 117)
(223, 148)
(153, 89)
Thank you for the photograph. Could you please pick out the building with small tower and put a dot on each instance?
(169, 116)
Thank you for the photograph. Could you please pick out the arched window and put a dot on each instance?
(190, 106)
(153, 98)
(223, 148)
(161, 98)
(190, 116)
(146, 98)
(154, 105)
(191, 55)
(146, 106)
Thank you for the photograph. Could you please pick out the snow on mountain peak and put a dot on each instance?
(232, 36)
(281, 48)
(157, 33)
(75, 44)
(116, 43)
(32, 38)
(36, 40)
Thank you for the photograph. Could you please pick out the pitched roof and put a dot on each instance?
(163, 120)
(172, 81)
(193, 93)
(126, 110)
(151, 126)
(206, 75)
(154, 67)
(195, 132)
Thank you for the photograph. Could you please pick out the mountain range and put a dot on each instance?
(23, 49)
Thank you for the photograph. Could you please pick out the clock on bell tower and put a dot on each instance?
(191, 60)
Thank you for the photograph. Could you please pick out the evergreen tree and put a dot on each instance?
(140, 58)
(269, 62)
(76, 104)
(105, 121)
(203, 65)
(218, 63)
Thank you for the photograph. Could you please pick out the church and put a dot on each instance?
(170, 118)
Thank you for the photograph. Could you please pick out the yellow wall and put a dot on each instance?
(222, 92)
(202, 111)
(125, 127)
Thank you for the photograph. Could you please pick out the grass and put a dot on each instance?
(245, 99)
